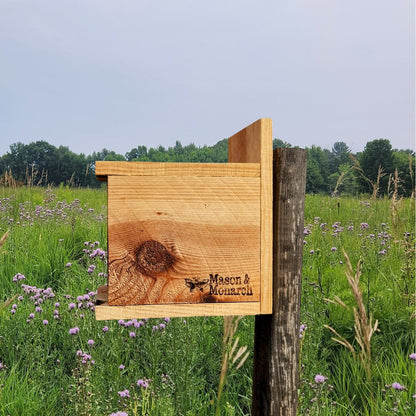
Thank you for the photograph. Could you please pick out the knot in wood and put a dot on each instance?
(153, 258)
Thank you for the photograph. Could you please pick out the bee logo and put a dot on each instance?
(195, 284)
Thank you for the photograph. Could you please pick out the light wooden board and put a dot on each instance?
(183, 240)
(254, 145)
(104, 311)
(189, 239)
(105, 169)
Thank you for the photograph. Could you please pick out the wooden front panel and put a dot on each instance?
(183, 240)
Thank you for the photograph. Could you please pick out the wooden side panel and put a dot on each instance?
(254, 145)
(183, 240)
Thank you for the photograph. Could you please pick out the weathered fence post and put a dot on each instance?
(276, 355)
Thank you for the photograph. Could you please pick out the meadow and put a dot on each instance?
(357, 335)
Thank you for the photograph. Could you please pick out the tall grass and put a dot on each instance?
(56, 359)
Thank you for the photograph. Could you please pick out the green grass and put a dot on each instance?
(41, 372)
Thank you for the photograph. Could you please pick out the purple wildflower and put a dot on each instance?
(412, 356)
(105, 329)
(74, 330)
(90, 342)
(45, 322)
(121, 367)
(18, 277)
(320, 379)
(132, 334)
(91, 268)
(143, 383)
(124, 393)
(333, 249)
(72, 306)
(398, 387)
(68, 265)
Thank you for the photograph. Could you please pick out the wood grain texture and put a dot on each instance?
(183, 240)
(254, 145)
(104, 311)
(276, 346)
(105, 169)
(189, 239)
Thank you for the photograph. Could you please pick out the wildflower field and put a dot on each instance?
(357, 335)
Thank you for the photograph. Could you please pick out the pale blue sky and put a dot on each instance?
(121, 73)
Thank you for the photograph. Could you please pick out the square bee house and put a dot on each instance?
(191, 239)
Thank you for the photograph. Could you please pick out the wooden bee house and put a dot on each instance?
(191, 239)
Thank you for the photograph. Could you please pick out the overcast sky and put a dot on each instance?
(116, 74)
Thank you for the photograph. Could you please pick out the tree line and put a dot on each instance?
(378, 169)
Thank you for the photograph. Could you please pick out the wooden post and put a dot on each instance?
(276, 355)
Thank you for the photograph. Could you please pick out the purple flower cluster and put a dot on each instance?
(101, 254)
(398, 387)
(161, 326)
(85, 301)
(307, 230)
(143, 383)
(302, 329)
(319, 379)
(36, 295)
(73, 331)
(50, 211)
(337, 229)
(94, 252)
(85, 358)
(124, 393)
(17, 277)
(131, 323)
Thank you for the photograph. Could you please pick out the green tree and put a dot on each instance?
(317, 170)
(137, 153)
(340, 155)
(277, 143)
(404, 162)
(375, 154)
